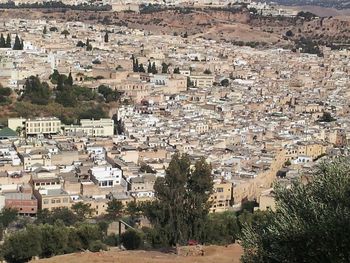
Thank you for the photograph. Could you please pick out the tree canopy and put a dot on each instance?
(311, 222)
(181, 206)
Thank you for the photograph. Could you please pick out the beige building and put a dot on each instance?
(221, 198)
(202, 81)
(36, 126)
(94, 128)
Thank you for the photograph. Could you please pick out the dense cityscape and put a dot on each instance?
(114, 135)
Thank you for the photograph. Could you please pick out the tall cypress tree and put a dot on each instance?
(149, 68)
(70, 79)
(106, 37)
(136, 65)
(154, 69)
(2, 41)
(8, 41)
(17, 45)
(88, 45)
(141, 68)
(181, 206)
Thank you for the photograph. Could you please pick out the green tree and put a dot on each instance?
(181, 206)
(54, 76)
(65, 33)
(45, 30)
(88, 233)
(70, 79)
(8, 41)
(165, 67)
(134, 211)
(7, 216)
(54, 239)
(176, 70)
(311, 222)
(149, 68)
(154, 68)
(137, 67)
(114, 209)
(131, 239)
(207, 72)
(22, 245)
(326, 117)
(88, 45)
(106, 37)
(225, 83)
(36, 91)
(17, 44)
(82, 210)
(2, 41)
(141, 68)
(221, 228)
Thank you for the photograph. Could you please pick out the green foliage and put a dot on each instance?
(225, 83)
(47, 240)
(81, 44)
(181, 206)
(307, 45)
(141, 68)
(221, 228)
(7, 216)
(54, 76)
(18, 45)
(54, 239)
(22, 245)
(106, 37)
(2, 41)
(306, 15)
(112, 240)
(57, 214)
(311, 222)
(165, 67)
(82, 210)
(177, 70)
(154, 68)
(65, 33)
(109, 94)
(93, 113)
(36, 92)
(96, 246)
(88, 233)
(114, 209)
(326, 117)
(6, 92)
(131, 239)
(207, 71)
(8, 41)
(88, 45)
(45, 30)
(145, 168)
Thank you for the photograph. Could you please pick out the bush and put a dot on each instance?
(131, 239)
(112, 240)
(96, 246)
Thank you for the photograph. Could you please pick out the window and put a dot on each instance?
(220, 190)
(65, 200)
(46, 201)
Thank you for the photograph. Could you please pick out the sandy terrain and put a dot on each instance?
(213, 254)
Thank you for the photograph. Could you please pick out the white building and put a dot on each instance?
(105, 176)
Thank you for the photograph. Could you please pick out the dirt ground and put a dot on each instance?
(212, 254)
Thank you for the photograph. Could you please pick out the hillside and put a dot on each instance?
(212, 254)
(229, 25)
